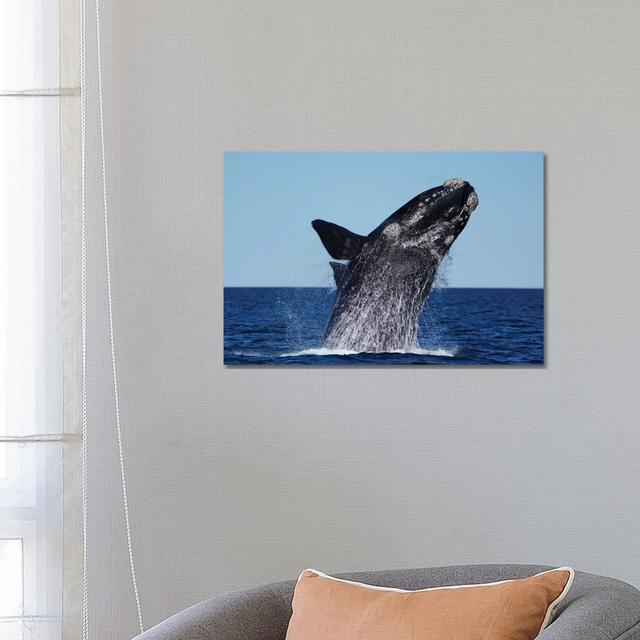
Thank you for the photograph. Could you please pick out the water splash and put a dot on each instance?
(323, 351)
(443, 273)
(379, 314)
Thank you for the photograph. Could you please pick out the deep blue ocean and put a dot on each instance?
(284, 326)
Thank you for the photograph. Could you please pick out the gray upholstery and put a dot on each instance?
(596, 608)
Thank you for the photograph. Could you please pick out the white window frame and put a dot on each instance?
(39, 498)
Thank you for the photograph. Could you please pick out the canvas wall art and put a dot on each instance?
(384, 258)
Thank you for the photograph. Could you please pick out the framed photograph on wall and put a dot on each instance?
(344, 258)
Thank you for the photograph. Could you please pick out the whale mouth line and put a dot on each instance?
(461, 212)
(468, 197)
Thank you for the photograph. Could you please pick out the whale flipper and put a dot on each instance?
(341, 243)
(339, 269)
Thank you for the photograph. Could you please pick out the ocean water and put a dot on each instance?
(284, 326)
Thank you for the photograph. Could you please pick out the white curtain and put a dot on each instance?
(40, 549)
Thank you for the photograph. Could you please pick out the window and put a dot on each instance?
(31, 335)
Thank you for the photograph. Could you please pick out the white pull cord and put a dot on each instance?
(114, 370)
(83, 304)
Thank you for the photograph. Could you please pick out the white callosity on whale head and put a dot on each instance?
(393, 230)
(472, 202)
(453, 182)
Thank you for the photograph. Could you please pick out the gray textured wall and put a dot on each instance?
(243, 476)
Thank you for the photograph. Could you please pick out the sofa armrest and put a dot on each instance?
(597, 608)
(259, 614)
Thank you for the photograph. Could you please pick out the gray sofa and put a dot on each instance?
(596, 608)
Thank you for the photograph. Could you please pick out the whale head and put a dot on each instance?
(413, 240)
(433, 219)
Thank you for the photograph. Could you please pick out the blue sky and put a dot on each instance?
(270, 199)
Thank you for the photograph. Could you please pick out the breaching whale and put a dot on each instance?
(382, 288)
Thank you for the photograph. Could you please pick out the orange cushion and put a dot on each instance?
(326, 608)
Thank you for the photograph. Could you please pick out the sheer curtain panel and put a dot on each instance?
(40, 346)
